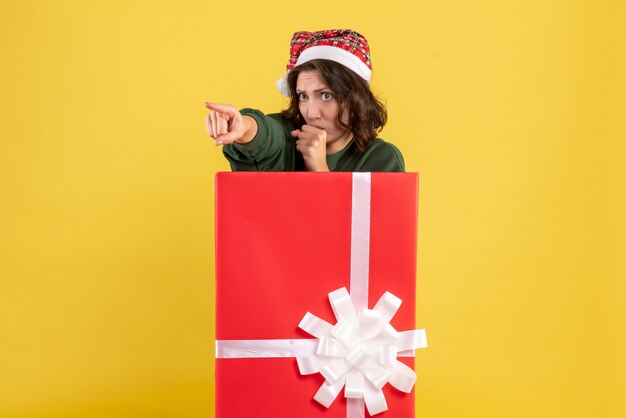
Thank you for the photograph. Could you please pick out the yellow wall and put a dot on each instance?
(512, 111)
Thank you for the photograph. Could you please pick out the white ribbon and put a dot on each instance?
(360, 351)
(273, 348)
(264, 348)
(360, 241)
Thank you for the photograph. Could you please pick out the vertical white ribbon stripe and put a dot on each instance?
(360, 240)
(359, 259)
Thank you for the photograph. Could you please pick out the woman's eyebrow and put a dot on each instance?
(314, 91)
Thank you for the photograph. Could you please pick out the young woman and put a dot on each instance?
(332, 120)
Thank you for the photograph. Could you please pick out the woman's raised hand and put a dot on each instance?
(225, 124)
(311, 143)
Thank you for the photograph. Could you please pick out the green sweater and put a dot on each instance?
(274, 149)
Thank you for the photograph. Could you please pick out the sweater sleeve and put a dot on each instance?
(272, 148)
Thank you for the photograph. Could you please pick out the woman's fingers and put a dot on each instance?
(222, 124)
(301, 146)
(221, 129)
(222, 108)
(214, 125)
(207, 124)
(311, 128)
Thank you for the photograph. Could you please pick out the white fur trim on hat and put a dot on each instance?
(331, 53)
(336, 54)
(282, 86)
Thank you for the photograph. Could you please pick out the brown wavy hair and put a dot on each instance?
(366, 114)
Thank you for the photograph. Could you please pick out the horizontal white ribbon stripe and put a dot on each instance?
(281, 348)
(264, 348)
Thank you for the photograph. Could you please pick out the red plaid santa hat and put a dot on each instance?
(344, 46)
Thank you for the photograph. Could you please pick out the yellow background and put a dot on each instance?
(512, 111)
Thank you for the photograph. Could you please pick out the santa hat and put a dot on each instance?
(344, 46)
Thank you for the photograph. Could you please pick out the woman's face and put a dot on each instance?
(320, 108)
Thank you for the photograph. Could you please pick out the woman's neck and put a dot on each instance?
(339, 144)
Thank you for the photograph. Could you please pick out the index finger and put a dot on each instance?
(311, 128)
(222, 108)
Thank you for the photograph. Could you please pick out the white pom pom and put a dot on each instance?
(282, 86)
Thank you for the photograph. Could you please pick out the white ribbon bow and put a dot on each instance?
(360, 351)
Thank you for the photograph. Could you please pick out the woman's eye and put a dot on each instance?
(302, 97)
(326, 96)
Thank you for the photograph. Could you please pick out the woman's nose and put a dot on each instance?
(313, 111)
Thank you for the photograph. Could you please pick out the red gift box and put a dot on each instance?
(283, 242)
